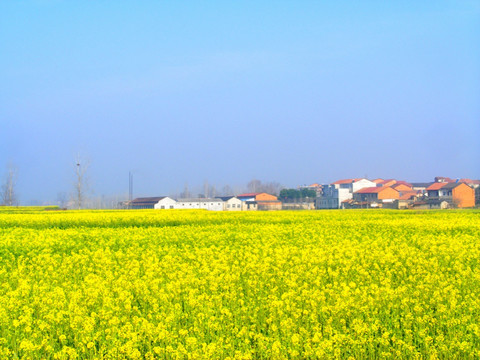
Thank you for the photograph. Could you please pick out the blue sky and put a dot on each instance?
(291, 91)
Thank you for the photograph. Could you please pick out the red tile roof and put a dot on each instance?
(436, 186)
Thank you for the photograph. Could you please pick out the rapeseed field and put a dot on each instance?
(256, 285)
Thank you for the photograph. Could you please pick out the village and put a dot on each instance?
(357, 193)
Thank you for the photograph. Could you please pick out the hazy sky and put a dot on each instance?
(289, 91)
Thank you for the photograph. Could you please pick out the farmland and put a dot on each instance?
(247, 285)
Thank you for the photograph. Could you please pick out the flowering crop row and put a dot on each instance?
(257, 285)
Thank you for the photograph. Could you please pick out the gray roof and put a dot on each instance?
(147, 200)
(199, 200)
(425, 185)
(451, 186)
(226, 198)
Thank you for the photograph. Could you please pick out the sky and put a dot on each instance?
(180, 93)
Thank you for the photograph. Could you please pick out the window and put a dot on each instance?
(163, 206)
(228, 206)
(171, 206)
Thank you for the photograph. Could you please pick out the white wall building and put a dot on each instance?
(231, 203)
(362, 183)
(334, 194)
(213, 204)
(165, 203)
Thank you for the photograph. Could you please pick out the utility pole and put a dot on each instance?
(130, 188)
(79, 186)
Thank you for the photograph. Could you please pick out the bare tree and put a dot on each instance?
(227, 190)
(257, 186)
(206, 189)
(81, 182)
(9, 195)
(272, 187)
(62, 199)
(254, 185)
(186, 192)
(212, 191)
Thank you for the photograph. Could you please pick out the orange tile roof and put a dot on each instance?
(388, 181)
(346, 181)
(407, 195)
(399, 182)
(436, 186)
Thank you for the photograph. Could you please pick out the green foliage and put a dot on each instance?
(294, 194)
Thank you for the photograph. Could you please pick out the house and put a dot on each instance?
(354, 184)
(406, 199)
(408, 195)
(165, 203)
(144, 202)
(389, 182)
(335, 194)
(213, 204)
(402, 186)
(457, 194)
(376, 194)
(421, 186)
(259, 201)
(332, 197)
(435, 190)
(231, 203)
(472, 183)
(443, 179)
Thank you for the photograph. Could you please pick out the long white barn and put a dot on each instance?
(213, 204)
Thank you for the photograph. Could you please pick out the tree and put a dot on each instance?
(185, 193)
(227, 190)
(62, 199)
(256, 186)
(477, 196)
(294, 194)
(308, 193)
(9, 195)
(81, 183)
(272, 187)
